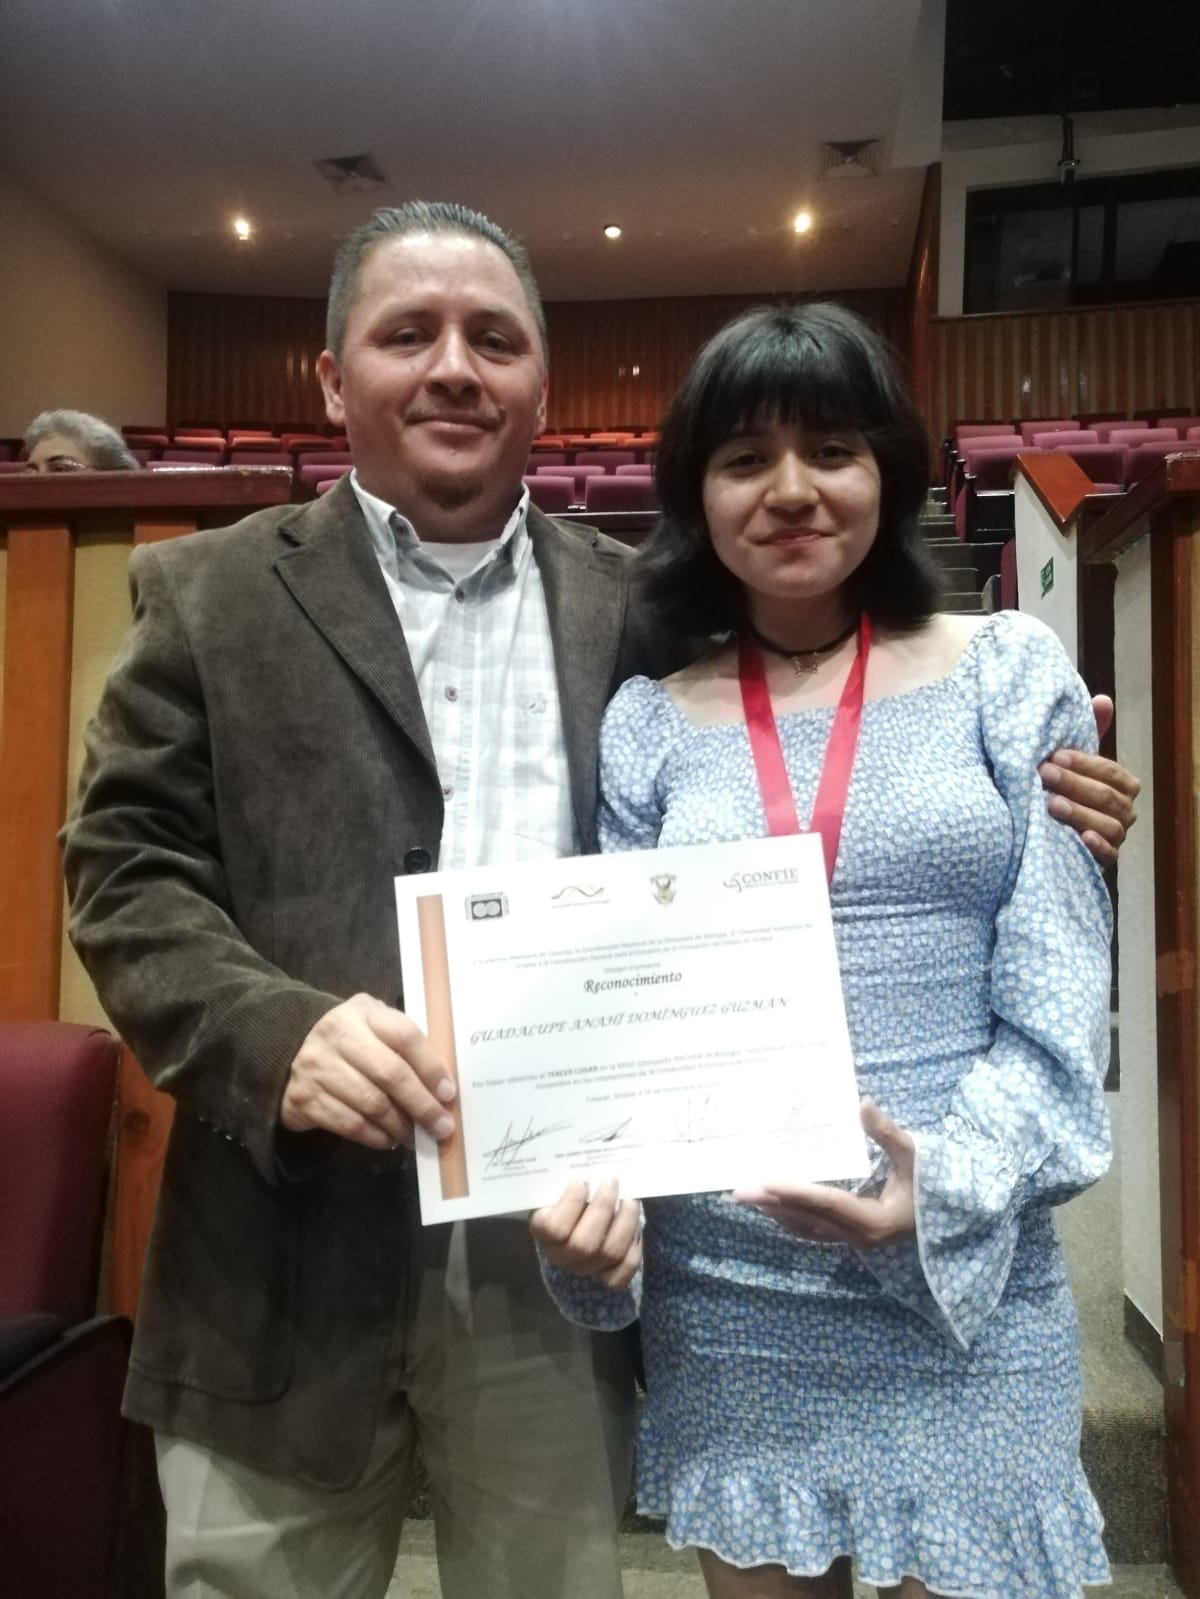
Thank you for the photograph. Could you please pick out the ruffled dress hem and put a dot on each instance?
(1050, 1549)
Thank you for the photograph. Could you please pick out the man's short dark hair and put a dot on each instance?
(399, 222)
(101, 446)
(819, 367)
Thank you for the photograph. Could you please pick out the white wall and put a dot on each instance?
(1140, 1208)
(78, 327)
(1039, 539)
(992, 153)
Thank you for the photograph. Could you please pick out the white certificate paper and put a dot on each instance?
(672, 1018)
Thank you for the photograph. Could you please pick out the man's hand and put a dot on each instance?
(600, 1238)
(367, 1073)
(1093, 795)
(823, 1215)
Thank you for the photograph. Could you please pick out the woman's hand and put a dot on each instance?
(823, 1215)
(600, 1237)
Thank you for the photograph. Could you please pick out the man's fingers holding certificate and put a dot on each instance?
(599, 1237)
(367, 1073)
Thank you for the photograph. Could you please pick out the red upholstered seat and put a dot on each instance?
(1107, 428)
(56, 1095)
(61, 1371)
(1141, 459)
(1132, 436)
(1059, 438)
(244, 457)
(638, 469)
(612, 493)
(606, 460)
(11, 467)
(193, 457)
(326, 459)
(551, 494)
(314, 473)
(1049, 425)
(981, 430)
(147, 441)
(1103, 463)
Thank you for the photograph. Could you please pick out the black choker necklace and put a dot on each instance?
(805, 662)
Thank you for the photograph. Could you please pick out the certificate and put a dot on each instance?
(672, 1018)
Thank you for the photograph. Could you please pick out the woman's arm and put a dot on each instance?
(1027, 1124)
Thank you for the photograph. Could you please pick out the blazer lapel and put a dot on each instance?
(586, 587)
(334, 577)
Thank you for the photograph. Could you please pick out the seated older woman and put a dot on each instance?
(73, 441)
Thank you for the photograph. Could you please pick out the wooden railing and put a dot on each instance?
(64, 543)
(1152, 534)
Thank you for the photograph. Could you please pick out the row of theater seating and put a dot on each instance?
(981, 488)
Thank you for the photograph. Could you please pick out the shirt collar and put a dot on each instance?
(397, 543)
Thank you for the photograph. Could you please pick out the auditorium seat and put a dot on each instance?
(606, 460)
(539, 458)
(1047, 425)
(1058, 437)
(1131, 437)
(1193, 434)
(612, 493)
(241, 435)
(193, 457)
(1141, 459)
(62, 1368)
(980, 430)
(579, 474)
(11, 468)
(324, 486)
(263, 441)
(638, 469)
(191, 436)
(323, 458)
(551, 494)
(146, 441)
(244, 457)
(1107, 429)
(1186, 426)
(1103, 463)
(304, 441)
(314, 474)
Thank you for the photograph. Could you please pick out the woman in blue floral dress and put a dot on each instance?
(889, 1372)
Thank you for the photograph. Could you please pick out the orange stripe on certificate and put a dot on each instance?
(439, 1024)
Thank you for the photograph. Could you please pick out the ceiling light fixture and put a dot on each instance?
(803, 221)
(612, 231)
(242, 228)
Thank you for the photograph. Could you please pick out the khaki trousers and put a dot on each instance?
(525, 1424)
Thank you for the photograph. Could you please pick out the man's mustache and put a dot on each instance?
(490, 421)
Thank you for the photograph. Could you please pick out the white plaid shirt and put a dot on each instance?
(475, 622)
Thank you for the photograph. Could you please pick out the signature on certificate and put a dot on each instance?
(513, 1145)
(610, 1134)
(702, 1123)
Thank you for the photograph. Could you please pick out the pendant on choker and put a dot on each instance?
(804, 662)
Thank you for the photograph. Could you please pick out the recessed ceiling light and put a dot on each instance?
(612, 231)
(242, 228)
(803, 221)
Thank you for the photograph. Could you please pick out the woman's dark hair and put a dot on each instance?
(822, 368)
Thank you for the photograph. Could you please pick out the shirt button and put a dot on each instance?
(447, 790)
(417, 859)
(459, 595)
(451, 692)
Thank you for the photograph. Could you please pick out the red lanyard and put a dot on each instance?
(833, 788)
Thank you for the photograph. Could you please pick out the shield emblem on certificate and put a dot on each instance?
(663, 884)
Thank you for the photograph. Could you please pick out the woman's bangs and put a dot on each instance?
(792, 378)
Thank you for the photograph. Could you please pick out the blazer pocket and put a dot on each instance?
(217, 1311)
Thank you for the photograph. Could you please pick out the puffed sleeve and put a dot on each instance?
(634, 744)
(1028, 1124)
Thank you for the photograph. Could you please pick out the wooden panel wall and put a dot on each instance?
(1059, 363)
(234, 358)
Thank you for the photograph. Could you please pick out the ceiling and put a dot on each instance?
(694, 124)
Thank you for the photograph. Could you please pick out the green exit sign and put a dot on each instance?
(1048, 576)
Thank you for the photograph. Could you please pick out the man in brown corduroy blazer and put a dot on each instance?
(262, 764)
